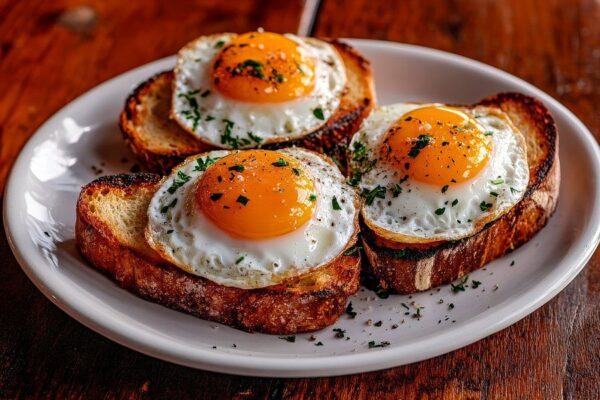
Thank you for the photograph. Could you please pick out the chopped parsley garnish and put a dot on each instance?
(440, 211)
(280, 163)
(296, 171)
(417, 313)
(319, 344)
(256, 68)
(355, 178)
(216, 196)
(361, 160)
(475, 284)
(352, 251)
(168, 206)
(360, 151)
(450, 306)
(498, 181)
(312, 197)
(318, 113)
(226, 137)
(291, 339)
(234, 141)
(419, 144)
(513, 190)
(339, 333)
(396, 190)
(279, 78)
(445, 188)
(254, 138)
(179, 181)
(454, 202)
(485, 206)
(373, 345)
(170, 231)
(219, 44)
(209, 118)
(350, 311)
(378, 323)
(399, 254)
(494, 194)
(193, 113)
(370, 195)
(488, 133)
(205, 93)
(460, 287)
(236, 168)
(204, 163)
(335, 204)
(242, 200)
(239, 260)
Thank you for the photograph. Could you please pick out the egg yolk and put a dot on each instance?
(256, 194)
(437, 145)
(263, 67)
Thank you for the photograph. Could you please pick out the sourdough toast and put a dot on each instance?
(111, 218)
(160, 143)
(408, 268)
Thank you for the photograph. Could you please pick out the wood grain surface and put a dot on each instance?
(50, 52)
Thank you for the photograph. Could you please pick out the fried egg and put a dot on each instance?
(241, 91)
(254, 218)
(433, 172)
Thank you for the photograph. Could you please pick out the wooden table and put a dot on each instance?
(51, 52)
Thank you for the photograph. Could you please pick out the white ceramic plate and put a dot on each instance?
(65, 153)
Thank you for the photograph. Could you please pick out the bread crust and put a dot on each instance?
(302, 304)
(407, 268)
(148, 105)
(331, 139)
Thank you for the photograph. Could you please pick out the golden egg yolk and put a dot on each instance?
(263, 67)
(256, 194)
(437, 145)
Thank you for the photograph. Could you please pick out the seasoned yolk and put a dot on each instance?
(437, 145)
(256, 194)
(263, 67)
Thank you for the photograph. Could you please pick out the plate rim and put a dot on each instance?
(123, 333)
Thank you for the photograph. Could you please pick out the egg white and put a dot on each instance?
(411, 216)
(251, 124)
(186, 237)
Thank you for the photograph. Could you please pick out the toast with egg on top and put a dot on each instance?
(407, 266)
(160, 143)
(112, 216)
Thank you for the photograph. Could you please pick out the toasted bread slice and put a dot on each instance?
(160, 143)
(157, 141)
(407, 268)
(111, 217)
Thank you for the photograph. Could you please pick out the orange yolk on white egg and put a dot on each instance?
(437, 145)
(256, 194)
(263, 67)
